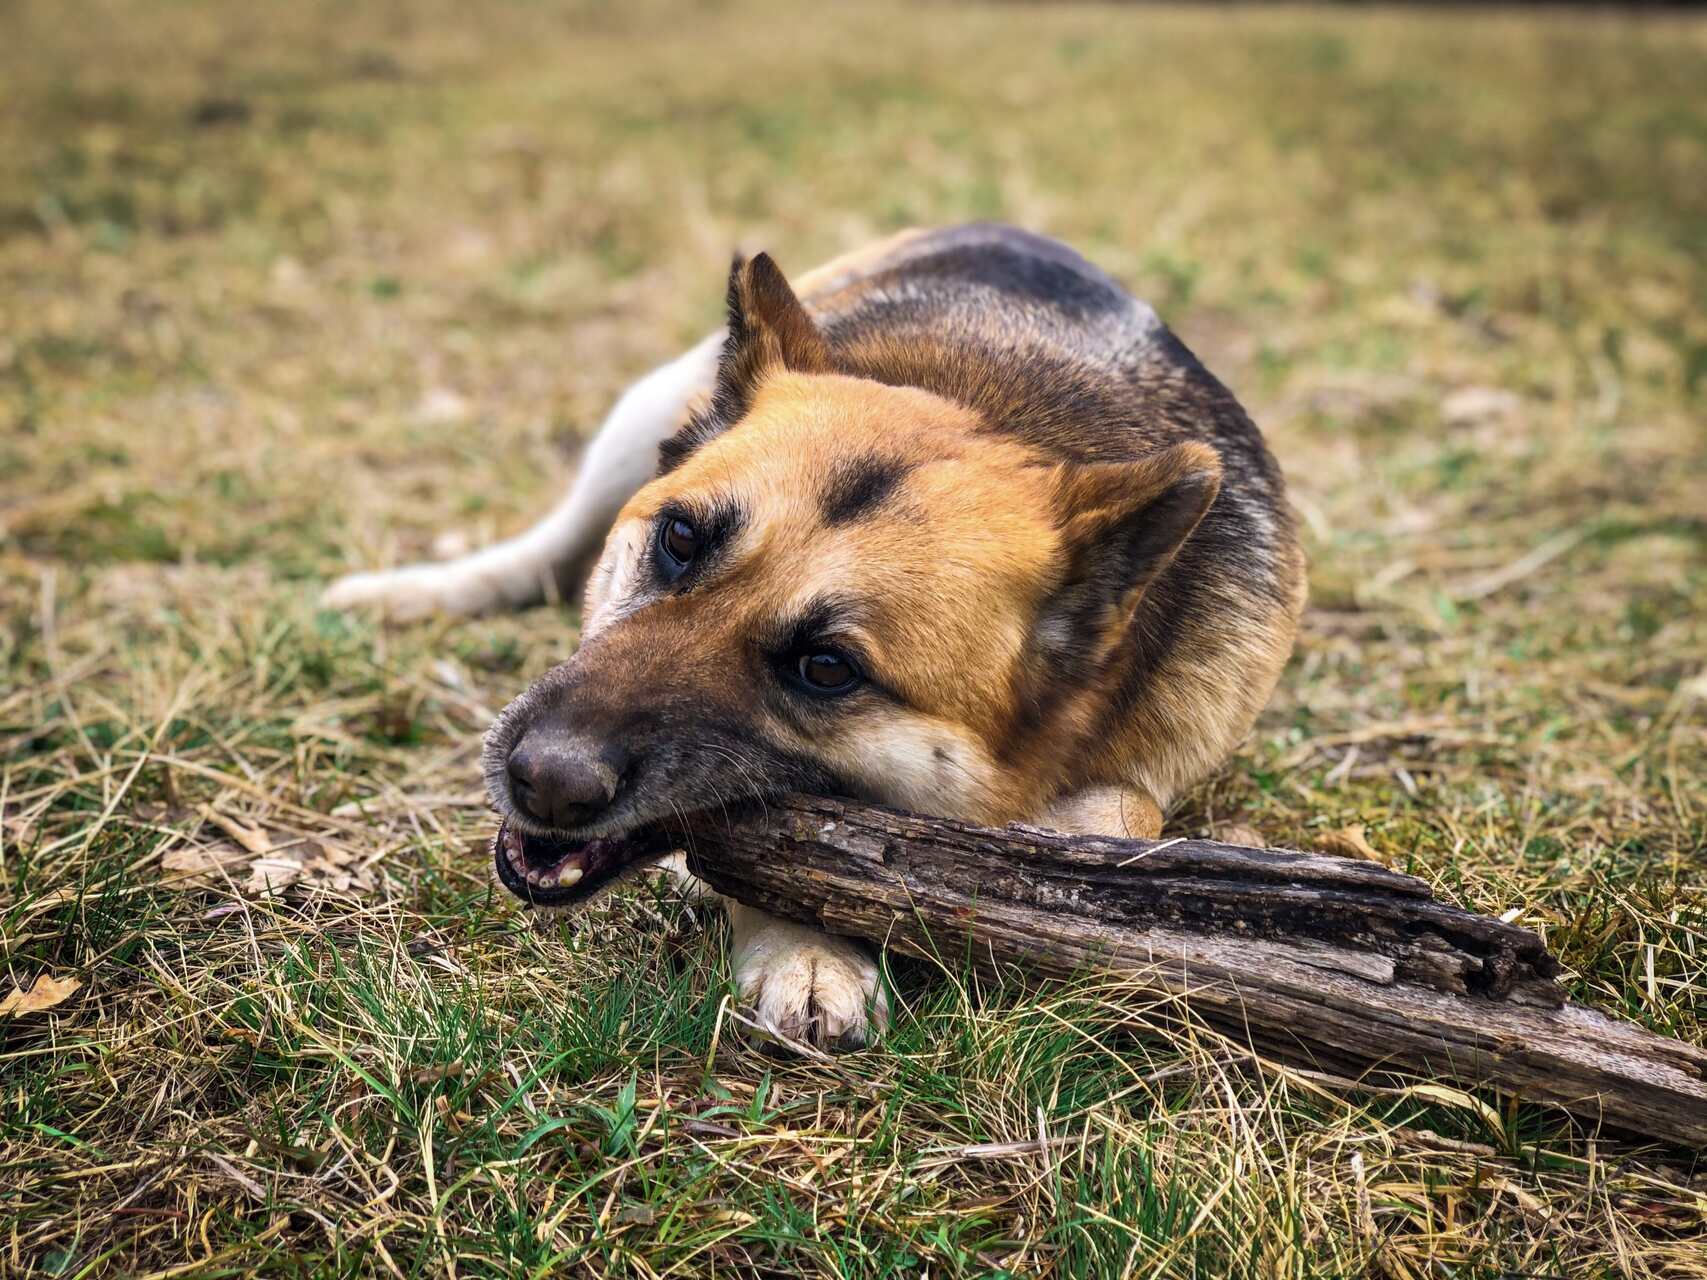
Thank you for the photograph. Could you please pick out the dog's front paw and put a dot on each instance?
(799, 984)
(411, 593)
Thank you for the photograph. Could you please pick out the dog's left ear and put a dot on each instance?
(1122, 524)
(769, 331)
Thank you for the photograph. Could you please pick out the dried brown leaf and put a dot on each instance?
(274, 871)
(287, 860)
(1349, 842)
(198, 866)
(44, 993)
(255, 839)
(1238, 833)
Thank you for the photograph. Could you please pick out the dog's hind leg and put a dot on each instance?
(545, 562)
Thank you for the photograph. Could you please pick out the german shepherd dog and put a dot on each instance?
(958, 526)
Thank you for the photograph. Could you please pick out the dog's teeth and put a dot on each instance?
(548, 880)
(534, 877)
(570, 875)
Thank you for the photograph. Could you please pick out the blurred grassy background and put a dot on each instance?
(289, 290)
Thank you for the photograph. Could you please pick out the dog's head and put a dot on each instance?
(834, 586)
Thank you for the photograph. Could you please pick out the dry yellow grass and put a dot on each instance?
(292, 290)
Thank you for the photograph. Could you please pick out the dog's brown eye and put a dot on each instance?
(680, 541)
(827, 672)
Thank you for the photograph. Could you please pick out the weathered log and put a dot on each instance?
(1320, 961)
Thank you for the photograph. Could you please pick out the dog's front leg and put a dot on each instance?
(1125, 812)
(804, 984)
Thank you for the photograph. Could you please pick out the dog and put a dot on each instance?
(957, 525)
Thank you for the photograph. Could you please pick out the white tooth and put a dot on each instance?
(571, 875)
(548, 880)
(533, 877)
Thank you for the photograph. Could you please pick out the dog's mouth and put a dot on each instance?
(552, 871)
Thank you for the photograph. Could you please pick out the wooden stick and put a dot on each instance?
(1324, 962)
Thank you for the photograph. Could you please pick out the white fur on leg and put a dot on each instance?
(523, 570)
(419, 590)
(805, 984)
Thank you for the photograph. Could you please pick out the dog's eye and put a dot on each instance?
(679, 542)
(827, 672)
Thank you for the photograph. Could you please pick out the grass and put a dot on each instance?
(291, 290)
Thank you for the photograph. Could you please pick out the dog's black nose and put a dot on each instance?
(563, 780)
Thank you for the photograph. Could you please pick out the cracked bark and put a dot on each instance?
(1319, 961)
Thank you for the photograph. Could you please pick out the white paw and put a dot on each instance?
(407, 595)
(803, 985)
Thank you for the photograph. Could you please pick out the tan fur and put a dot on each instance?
(948, 581)
(952, 574)
(1124, 812)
